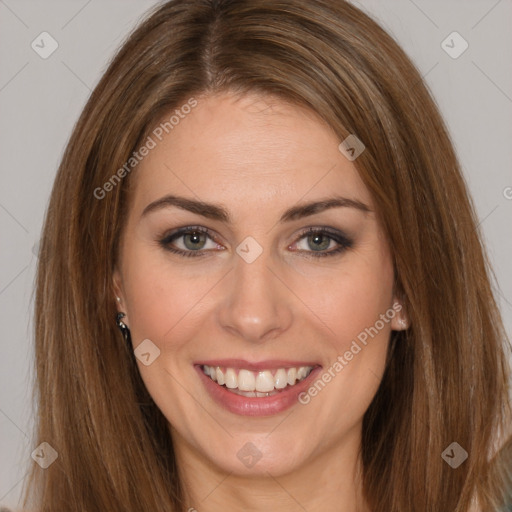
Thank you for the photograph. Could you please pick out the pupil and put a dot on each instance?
(319, 238)
(195, 238)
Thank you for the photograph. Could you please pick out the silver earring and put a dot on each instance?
(123, 327)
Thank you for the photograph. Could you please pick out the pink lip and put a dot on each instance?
(273, 364)
(254, 406)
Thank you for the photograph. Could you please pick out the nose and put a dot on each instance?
(256, 305)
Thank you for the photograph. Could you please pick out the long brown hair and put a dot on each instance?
(447, 376)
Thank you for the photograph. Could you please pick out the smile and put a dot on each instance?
(262, 383)
(256, 389)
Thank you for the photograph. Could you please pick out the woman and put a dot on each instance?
(262, 197)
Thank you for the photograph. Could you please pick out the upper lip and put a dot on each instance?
(268, 364)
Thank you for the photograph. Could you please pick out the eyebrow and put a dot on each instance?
(219, 213)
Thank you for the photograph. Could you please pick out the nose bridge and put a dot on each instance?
(254, 305)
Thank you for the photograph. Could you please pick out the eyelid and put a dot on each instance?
(344, 241)
(336, 233)
(165, 239)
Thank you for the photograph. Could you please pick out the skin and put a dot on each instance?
(257, 156)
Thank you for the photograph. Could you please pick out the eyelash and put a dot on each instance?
(343, 241)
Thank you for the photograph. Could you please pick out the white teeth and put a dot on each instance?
(281, 378)
(261, 383)
(292, 376)
(264, 382)
(253, 394)
(246, 381)
(301, 373)
(231, 379)
(220, 377)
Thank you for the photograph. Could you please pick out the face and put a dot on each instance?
(287, 308)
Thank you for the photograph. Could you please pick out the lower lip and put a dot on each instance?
(256, 406)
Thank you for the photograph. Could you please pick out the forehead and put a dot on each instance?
(247, 152)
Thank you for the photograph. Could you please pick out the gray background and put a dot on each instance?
(40, 100)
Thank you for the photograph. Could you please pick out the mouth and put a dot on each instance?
(259, 384)
(256, 389)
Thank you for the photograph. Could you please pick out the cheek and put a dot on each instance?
(353, 304)
(350, 297)
(164, 301)
(167, 298)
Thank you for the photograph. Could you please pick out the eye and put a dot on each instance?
(318, 240)
(192, 240)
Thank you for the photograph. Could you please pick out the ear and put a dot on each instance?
(400, 322)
